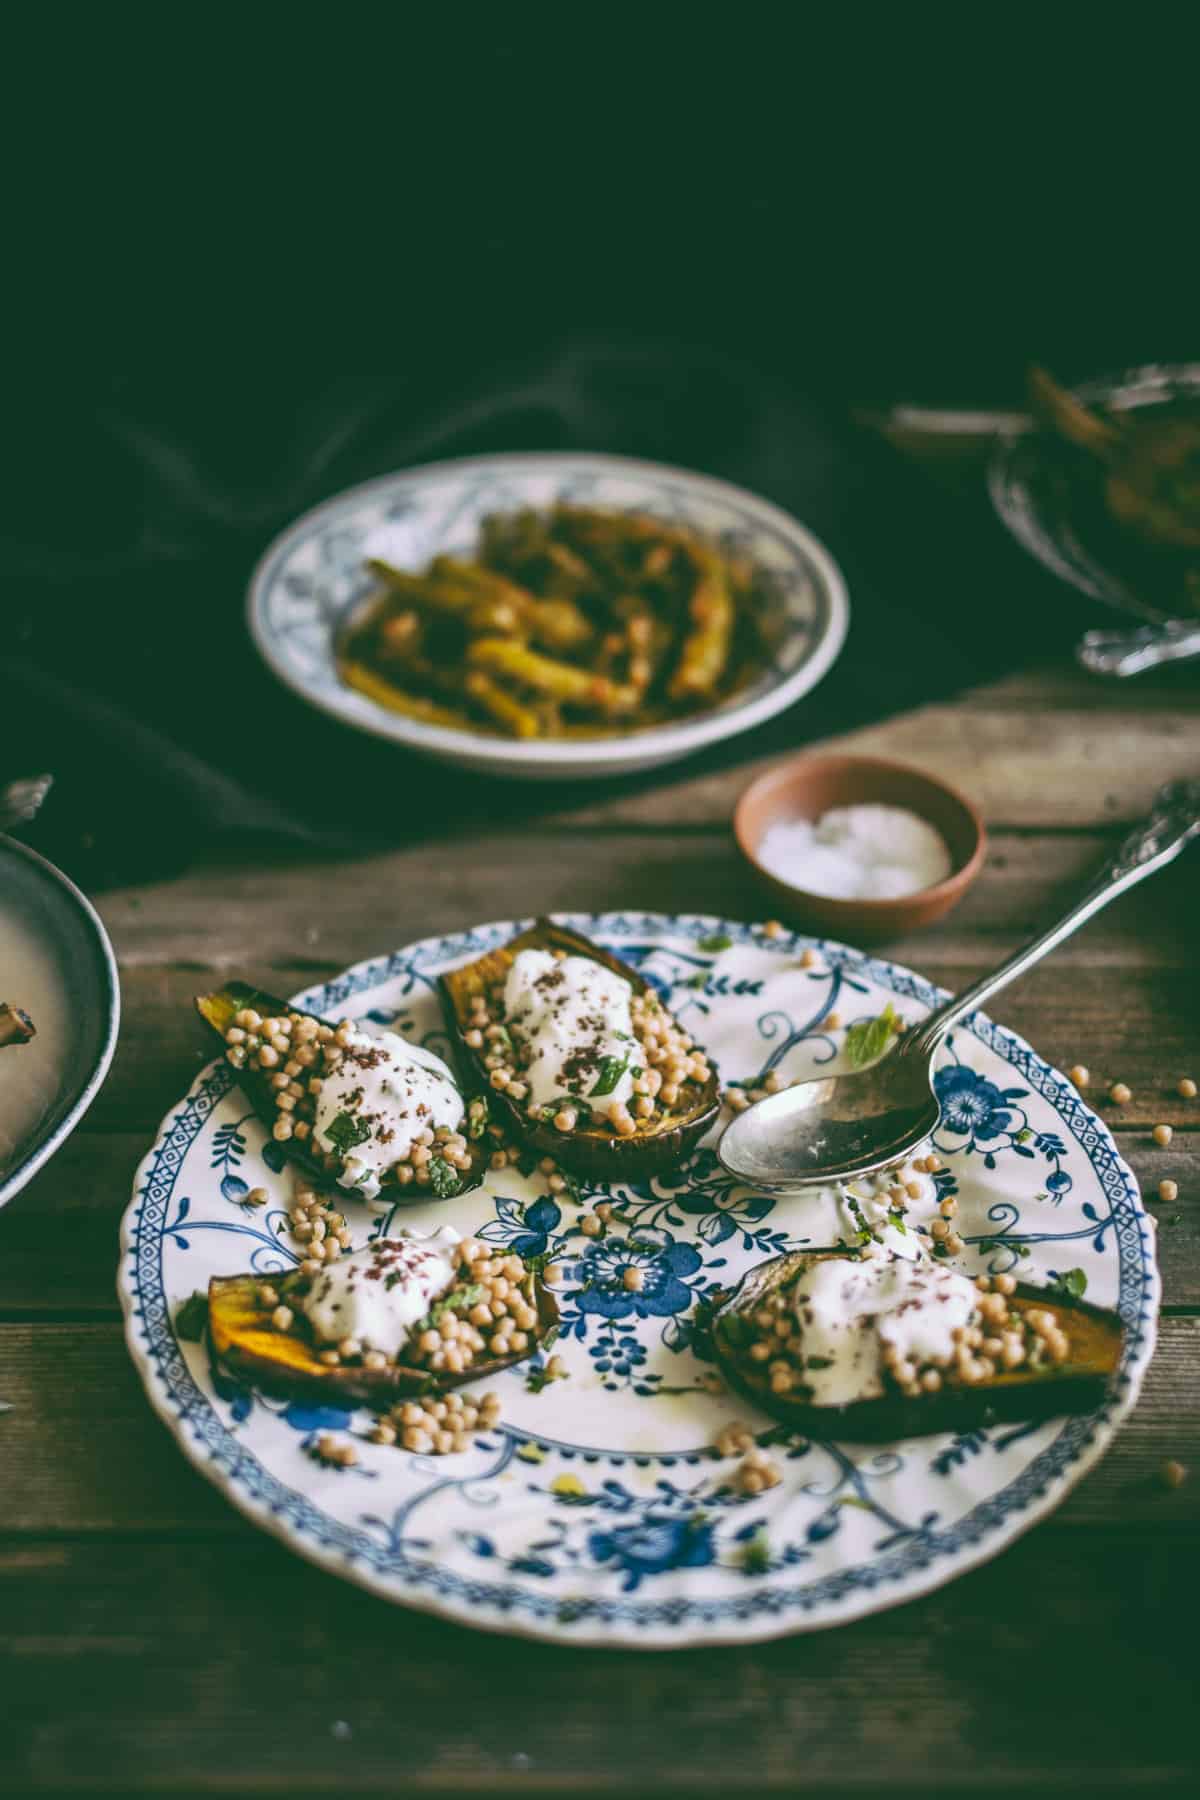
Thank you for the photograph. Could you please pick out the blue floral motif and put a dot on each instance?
(228, 1149)
(972, 1106)
(665, 1266)
(654, 1545)
(990, 1119)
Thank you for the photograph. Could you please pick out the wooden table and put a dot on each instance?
(157, 1643)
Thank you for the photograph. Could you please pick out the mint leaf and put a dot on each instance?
(611, 1071)
(191, 1318)
(718, 941)
(869, 1038)
(1071, 1285)
(897, 1219)
(346, 1132)
(442, 1178)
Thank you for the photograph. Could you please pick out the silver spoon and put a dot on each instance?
(844, 1125)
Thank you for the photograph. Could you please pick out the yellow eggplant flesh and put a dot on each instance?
(594, 1150)
(1019, 1395)
(243, 1340)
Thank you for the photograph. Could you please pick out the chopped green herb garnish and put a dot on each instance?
(443, 1179)
(191, 1318)
(1071, 1285)
(869, 1038)
(754, 1556)
(346, 1132)
(459, 1299)
(718, 941)
(611, 1070)
(897, 1219)
(478, 1116)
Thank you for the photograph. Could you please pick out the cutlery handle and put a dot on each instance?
(1123, 653)
(1150, 847)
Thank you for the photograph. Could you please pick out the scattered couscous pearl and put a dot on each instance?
(954, 1244)
(939, 1228)
(1187, 1088)
(282, 1317)
(1119, 1094)
(552, 1274)
(590, 1225)
(1172, 1474)
(772, 929)
(634, 1280)
(808, 959)
(736, 1099)
(1079, 1075)
(258, 1196)
(833, 1021)
(1163, 1135)
(1168, 1191)
(556, 1368)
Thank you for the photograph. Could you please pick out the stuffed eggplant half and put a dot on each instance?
(405, 1316)
(876, 1347)
(578, 1057)
(378, 1116)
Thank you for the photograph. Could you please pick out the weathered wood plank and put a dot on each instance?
(75, 1397)
(296, 913)
(1050, 766)
(154, 1668)
(58, 1239)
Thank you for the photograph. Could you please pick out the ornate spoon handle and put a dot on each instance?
(1150, 847)
(1130, 652)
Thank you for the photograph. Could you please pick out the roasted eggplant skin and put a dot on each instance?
(592, 1151)
(242, 1340)
(217, 1009)
(1016, 1396)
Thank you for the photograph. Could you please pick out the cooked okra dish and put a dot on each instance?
(566, 623)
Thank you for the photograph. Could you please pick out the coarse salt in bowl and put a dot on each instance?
(858, 846)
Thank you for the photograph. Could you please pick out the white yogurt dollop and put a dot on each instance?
(376, 1295)
(847, 1310)
(573, 1015)
(385, 1091)
(857, 853)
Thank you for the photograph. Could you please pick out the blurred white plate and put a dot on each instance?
(313, 576)
(56, 963)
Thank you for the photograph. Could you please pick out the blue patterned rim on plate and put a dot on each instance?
(312, 578)
(619, 1521)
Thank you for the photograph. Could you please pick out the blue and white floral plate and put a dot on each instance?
(597, 1513)
(312, 578)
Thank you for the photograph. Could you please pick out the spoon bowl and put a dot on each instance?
(835, 1127)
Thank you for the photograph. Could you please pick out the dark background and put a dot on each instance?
(702, 238)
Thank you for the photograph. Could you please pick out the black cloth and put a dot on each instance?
(132, 521)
